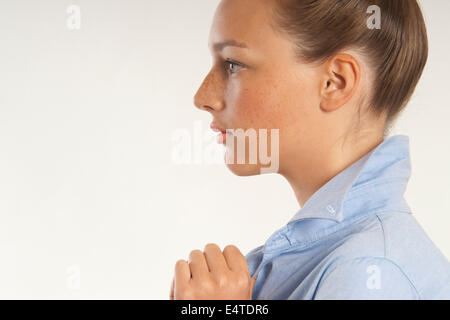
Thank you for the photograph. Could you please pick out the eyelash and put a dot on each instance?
(229, 62)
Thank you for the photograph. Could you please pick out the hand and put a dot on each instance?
(212, 275)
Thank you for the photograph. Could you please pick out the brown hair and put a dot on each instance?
(397, 52)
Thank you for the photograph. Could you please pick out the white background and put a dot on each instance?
(88, 188)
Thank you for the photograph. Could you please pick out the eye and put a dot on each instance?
(232, 66)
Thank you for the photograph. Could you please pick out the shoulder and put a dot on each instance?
(407, 243)
(393, 247)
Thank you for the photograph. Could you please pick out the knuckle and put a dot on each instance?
(221, 280)
(184, 294)
(206, 285)
(242, 278)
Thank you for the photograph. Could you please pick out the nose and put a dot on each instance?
(209, 96)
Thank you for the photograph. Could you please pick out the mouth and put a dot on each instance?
(222, 133)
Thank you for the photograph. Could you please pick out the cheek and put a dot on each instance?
(272, 101)
(258, 106)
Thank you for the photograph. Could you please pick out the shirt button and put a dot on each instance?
(331, 209)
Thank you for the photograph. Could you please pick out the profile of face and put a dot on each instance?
(257, 82)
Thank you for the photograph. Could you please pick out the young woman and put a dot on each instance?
(331, 79)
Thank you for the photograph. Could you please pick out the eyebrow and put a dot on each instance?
(219, 46)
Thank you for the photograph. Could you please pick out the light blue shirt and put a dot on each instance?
(355, 238)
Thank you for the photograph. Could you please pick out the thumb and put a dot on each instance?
(252, 284)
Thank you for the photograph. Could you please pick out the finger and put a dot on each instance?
(197, 264)
(182, 275)
(234, 258)
(171, 295)
(252, 285)
(215, 259)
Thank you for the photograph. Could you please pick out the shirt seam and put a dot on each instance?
(384, 235)
(393, 262)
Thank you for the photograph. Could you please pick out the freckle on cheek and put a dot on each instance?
(256, 108)
(251, 111)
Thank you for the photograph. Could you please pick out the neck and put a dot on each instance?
(308, 174)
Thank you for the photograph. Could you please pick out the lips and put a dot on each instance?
(216, 128)
(222, 136)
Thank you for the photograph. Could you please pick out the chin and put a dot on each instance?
(244, 170)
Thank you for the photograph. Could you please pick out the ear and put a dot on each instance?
(342, 74)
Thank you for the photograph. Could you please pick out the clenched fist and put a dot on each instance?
(212, 275)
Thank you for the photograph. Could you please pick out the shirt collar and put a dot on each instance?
(386, 165)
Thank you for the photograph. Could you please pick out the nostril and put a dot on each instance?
(207, 108)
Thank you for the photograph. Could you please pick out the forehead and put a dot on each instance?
(242, 21)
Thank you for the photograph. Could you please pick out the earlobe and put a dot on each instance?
(340, 82)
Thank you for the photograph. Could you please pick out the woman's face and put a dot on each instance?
(257, 83)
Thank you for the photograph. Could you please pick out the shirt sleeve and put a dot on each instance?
(365, 278)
